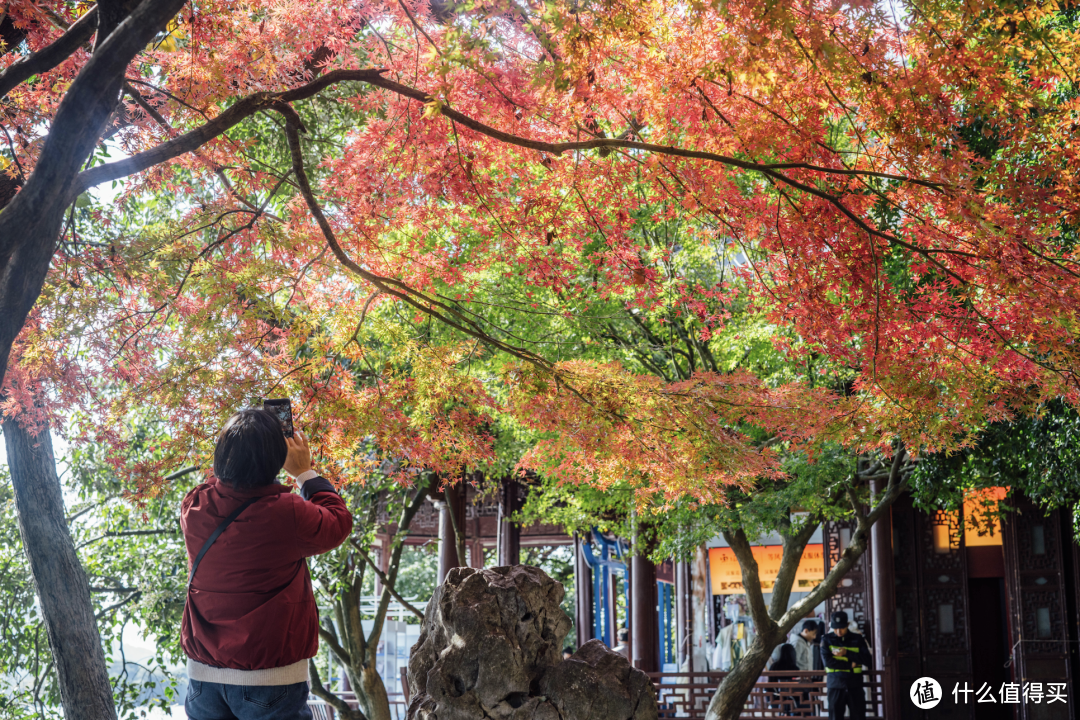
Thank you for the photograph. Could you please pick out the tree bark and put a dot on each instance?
(371, 693)
(730, 697)
(62, 589)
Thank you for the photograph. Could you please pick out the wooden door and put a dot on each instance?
(945, 630)
(906, 584)
(1035, 580)
(932, 607)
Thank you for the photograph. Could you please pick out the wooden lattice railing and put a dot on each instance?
(796, 693)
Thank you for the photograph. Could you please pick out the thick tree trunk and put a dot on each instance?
(728, 701)
(59, 578)
(371, 694)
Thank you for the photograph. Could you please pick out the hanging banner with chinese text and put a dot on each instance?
(727, 577)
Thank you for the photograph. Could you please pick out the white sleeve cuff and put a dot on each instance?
(305, 476)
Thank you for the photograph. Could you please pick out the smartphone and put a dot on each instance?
(282, 407)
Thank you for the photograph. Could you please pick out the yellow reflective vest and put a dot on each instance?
(845, 670)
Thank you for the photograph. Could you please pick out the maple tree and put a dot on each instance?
(600, 456)
(899, 190)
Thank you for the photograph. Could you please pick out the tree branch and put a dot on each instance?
(320, 691)
(855, 548)
(251, 104)
(407, 514)
(385, 581)
(124, 533)
(217, 168)
(794, 545)
(81, 116)
(332, 641)
(112, 589)
(79, 513)
(425, 304)
(739, 544)
(30, 224)
(189, 141)
(52, 54)
(104, 611)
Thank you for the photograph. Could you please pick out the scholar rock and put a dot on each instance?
(490, 649)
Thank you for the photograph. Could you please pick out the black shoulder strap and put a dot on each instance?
(217, 533)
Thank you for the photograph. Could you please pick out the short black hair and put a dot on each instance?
(250, 450)
(810, 625)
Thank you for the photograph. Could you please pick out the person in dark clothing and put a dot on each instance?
(781, 697)
(819, 663)
(844, 653)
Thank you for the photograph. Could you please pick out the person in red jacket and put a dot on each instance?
(250, 621)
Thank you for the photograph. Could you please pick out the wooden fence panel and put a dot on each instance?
(796, 693)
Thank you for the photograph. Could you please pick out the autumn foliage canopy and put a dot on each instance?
(387, 210)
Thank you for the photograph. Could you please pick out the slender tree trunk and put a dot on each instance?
(701, 605)
(355, 650)
(730, 698)
(62, 589)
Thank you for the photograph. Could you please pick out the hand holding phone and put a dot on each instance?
(299, 458)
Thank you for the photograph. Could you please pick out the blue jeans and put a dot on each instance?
(215, 701)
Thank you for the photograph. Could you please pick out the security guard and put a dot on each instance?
(844, 653)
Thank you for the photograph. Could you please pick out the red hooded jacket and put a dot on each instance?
(250, 606)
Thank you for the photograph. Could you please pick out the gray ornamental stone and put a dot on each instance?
(490, 649)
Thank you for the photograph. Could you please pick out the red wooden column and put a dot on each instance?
(453, 501)
(683, 614)
(644, 616)
(884, 599)
(583, 595)
(509, 534)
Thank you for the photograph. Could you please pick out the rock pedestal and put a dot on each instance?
(491, 647)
